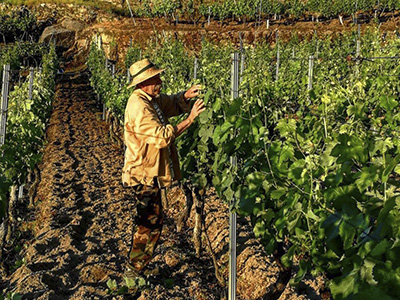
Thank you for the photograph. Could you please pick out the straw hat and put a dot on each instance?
(143, 70)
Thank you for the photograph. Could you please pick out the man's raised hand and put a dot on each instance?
(194, 91)
(197, 109)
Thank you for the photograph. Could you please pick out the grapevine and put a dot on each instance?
(317, 168)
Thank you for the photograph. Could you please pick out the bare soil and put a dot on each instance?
(78, 234)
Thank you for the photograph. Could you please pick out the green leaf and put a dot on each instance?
(381, 248)
(347, 233)
(297, 169)
(221, 133)
(303, 268)
(366, 272)
(130, 282)
(255, 180)
(344, 286)
(383, 145)
(234, 107)
(112, 284)
(287, 258)
(390, 165)
(388, 102)
(204, 117)
(368, 176)
(278, 193)
(350, 147)
(311, 215)
(286, 126)
(389, 204)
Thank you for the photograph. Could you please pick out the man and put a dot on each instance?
(151, 159)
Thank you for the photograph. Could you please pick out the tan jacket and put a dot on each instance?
(146, 139)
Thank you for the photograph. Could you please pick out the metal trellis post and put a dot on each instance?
(21, 191)
(235, 76)
(32, 73)
(4, 103)
(358, 52)
(196, 65)
(232, 244)
(277, 58)
(310, 71)
(232, 214)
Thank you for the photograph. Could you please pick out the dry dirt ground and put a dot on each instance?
(77, 236)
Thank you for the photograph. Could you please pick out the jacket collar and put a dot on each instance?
(142, 93)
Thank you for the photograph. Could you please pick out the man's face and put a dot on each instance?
(152, 86)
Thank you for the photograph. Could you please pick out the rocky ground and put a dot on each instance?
(76, 238)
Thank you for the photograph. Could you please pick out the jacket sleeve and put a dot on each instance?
(143, 122)
(173, 105)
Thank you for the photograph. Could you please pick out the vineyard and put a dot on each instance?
(314, 133)
(300, 139)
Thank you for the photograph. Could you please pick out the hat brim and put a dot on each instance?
(144, 76)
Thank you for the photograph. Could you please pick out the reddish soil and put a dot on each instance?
(77, 236)
(122, 31)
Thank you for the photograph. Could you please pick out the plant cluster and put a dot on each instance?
(111, 90)
(317, 167)
(22, 54)
(254, 9)
(26, 124)
(17, 25)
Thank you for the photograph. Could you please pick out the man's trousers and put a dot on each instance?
(149, 222)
